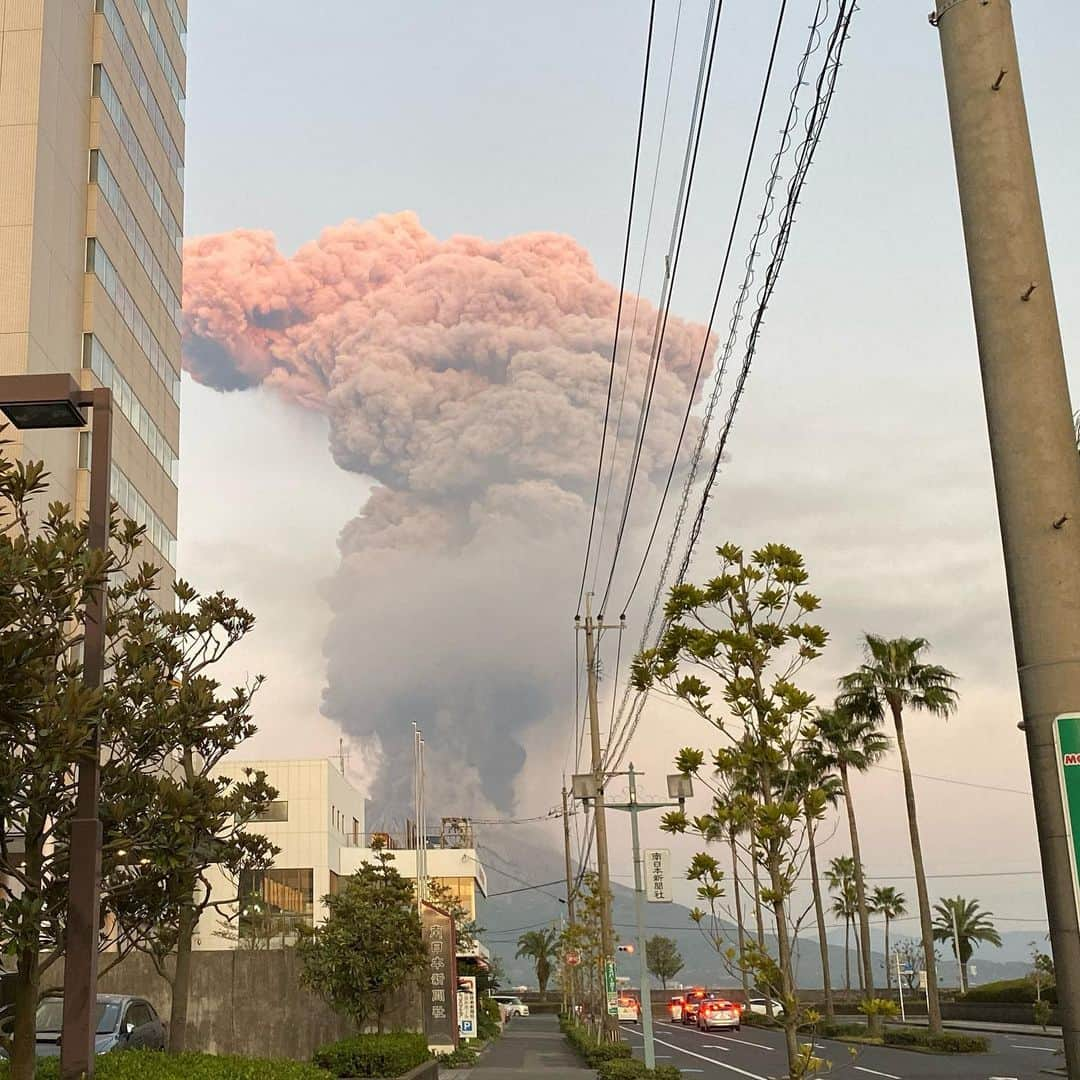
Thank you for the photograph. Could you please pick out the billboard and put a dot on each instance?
(658, 875)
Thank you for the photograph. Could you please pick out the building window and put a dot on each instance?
(275, 903)
(157, 43)
(106, 92)
(356, 832)
(84, 449)
(335, 883)
(278, 810)
(136, 507)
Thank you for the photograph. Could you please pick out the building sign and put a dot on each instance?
(439, 991)
(1067, 745)
(658, 875)
(466, 1006)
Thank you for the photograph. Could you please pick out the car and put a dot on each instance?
(691, 1004)
(629, 1009)
(676, 1008)
(123, 1023)
(760, 1006)
(514, 1005)
(719, 1013)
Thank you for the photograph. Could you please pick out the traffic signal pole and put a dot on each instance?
(1029, 417)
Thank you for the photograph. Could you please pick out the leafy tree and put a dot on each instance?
(841, 878)
(663, 958)
(540, 947)
(911, 957)
(369, 946)
(972, 927)
(466, 929)
(891, 904)
(853, 743)
(893, 678)
(186, 726)
(749, 630)
(1042, 970)
(813, 773)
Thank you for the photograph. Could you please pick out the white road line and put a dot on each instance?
(718, 1046)
(860, 1068)
(742, 1042)
(711, 1061)
(1044, 1049)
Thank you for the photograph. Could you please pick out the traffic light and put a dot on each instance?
(625, 948)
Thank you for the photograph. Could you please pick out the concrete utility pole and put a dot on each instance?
(607, 940)
(570, 890)
(1032, 440)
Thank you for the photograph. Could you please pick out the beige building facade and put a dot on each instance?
(91, 213)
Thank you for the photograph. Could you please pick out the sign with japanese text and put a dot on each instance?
(610, 986)
(466, 1006)
(658, 875)
(439, 991)
(1067, 745)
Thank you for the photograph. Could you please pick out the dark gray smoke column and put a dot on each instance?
(467, 379)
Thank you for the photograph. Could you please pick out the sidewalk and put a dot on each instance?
(531, 1048)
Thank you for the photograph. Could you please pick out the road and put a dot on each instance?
(757, 1054)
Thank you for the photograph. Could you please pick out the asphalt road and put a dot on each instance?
(758, 1054)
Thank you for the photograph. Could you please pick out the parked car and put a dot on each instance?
(676, 1008)
(123, 1023)
(629, 1009)
(719, 1013)
(514, 1005)
(759, 1006)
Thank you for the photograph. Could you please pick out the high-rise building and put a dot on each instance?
(91, 212)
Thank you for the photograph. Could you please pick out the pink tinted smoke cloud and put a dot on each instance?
(467, 378)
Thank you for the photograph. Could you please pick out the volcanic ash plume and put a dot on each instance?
(467, 379)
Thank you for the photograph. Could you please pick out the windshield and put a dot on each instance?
(50, 1017)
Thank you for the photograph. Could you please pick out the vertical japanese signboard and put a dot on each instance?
(439, 991)
(611, 988)
(466, 1006)
(1067, 745)
(658, 875)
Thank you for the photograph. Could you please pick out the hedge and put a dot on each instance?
(826, 1030)
(635, 1070)
(1009, 991)
(594, 1052)
(948, 1042)
(463, 1057)
(148, 1065)
(374, 1055)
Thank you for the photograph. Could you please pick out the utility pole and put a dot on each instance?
(639, 916)
(1032, 440)
(607, 941)
(956, 945)
(570, 890)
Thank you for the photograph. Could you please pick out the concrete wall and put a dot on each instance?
(244, 1002)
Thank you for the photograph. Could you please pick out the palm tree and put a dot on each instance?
(813, 772)
(539, 946)
(854, 743)
(840, 875)
(887, 902)
(894, 677)
(957, 919)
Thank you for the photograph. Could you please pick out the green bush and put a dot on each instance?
(592, 1050)
(374, 1055)
(825, 1030)
(635, 1070)
(145, 1065)
(948, 1042)
(1010, 991)
(1041, 1013)
(463, 1057)
(488, 1021)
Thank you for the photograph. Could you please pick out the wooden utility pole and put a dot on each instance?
(1032, 440)
(607, 940)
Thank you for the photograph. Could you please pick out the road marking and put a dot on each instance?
(742, 1042)
(860, 1068)
(1044, 1049)
(711, 1061)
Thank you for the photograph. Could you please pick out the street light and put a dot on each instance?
(35, 402)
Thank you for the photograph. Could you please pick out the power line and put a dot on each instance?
(622, 289)
(959, 783)
(525, 888)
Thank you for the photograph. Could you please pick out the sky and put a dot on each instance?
(861, 440)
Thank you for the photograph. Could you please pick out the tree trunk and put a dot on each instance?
(860, 890)
(819, 912)
(787, 978)
(757, 909)
(27, 987)
(847, 956)
(181, 984)
(925, 915)
(739, 918)
(888, 958)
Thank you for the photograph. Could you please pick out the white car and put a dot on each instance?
(760, 1006)
(629, 1009)
(719, 1013)
(512, 1003)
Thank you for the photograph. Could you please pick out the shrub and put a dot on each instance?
(635, 1070)
(871, 1007)
(461, 1058)
(592, 1050)
(488, 1021)
(1040, 1012)
(145, 1065)
(826, 1030)
(1010, 991)
(949, 1042)
(374, 1055)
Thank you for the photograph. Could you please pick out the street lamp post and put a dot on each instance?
(680, 788)
(57, 401)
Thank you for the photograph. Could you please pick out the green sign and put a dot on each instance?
(1067, 744)
(609, 977)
